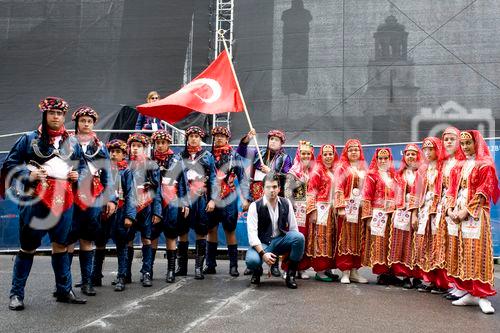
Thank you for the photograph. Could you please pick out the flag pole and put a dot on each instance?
(221, 33)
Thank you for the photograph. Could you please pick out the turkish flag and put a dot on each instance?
(213, 91)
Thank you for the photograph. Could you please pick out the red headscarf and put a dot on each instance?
(438, 147)
(403, 165)
(344, 160)
(297, 168)
(373, 163)
(483, 157)
(459, 154)
(319, 159)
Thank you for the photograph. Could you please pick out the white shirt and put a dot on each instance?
(57, 139)
(253, 223)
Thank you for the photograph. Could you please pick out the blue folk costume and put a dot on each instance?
(95, 190)
(125, 192)
(173, 191)
(278, 161)
(45, 206)
(146, 175)
(232, 184)
(200, 173)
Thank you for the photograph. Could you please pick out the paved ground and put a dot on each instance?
(224, 304)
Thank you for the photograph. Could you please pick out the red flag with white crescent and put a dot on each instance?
(213, 91)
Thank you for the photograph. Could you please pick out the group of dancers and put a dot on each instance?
(425, 225)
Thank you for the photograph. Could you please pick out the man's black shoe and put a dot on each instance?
(70, 298)
(88, 289)
(16, 303)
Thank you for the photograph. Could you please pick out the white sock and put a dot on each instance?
(460, 293)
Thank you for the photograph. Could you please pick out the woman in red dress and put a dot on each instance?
(296, 190)
(378, 204)
(446, 245)
(429, 217)
(470, 209)
(349, 179)
(320, 244)
(401, 240)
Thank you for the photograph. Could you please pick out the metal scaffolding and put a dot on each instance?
(224, 10)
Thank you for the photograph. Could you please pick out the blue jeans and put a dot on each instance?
(292, 242)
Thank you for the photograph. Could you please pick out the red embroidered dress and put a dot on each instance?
(377, 206)
(478, 185)
(349, 183)
(320, 246)
(401, 239)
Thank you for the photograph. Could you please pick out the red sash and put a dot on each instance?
(88, 192)
(55, 194)
(226, 187)
(168, 193)
(144, 198)
(257, 190)
(197, 187)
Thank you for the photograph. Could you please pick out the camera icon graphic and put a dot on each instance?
(430, 122)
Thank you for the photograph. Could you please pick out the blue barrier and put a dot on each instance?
(9, 217)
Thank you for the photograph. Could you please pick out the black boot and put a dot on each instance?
(147, 257)
(256, 276)
(182, 259)
(86, 259)
(21, 271)
(130, 259)
(201, 246)
(62, 272)
(153, 256)
(232, 251)
(211, 255)
(97, 267)
(290, 275)
(170, 266)
(275, 269)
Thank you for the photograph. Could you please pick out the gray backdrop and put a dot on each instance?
(323, 70)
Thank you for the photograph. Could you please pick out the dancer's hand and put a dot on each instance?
(210, 206)
(128, 222)
(245, 205)
(185, 211)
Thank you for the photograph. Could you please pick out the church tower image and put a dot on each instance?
(390, 99)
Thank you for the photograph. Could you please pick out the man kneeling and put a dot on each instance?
(272, 230)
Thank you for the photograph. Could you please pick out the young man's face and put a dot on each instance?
(271, 189)
(194, 140)
(275, 143)
(136, 148)
(55, 119)
(117, 155)
(162, 145)
(85, 125)
(220, 140)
